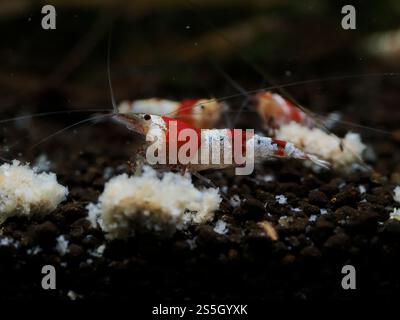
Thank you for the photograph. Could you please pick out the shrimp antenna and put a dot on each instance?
(114, 104)
(51, 113)
(97, 117)
(237, 86)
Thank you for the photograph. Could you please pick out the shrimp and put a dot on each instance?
(159, 129)
(286, 121)
(276, 111)
(199, 113)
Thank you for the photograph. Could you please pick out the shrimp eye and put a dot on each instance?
(147, 117)
(202, 107)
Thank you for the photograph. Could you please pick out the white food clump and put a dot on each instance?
(396, 196)
(327, 146)
(23, 191)
(147, 202)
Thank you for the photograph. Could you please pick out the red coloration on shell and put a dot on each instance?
(295, 113)
(186, 107)
(181, 125)
(281, 147)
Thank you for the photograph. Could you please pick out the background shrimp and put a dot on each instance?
(200, 113)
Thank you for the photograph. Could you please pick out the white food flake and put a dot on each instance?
(24, 191)
(235, 201)
(99, 251)
(395, 214)
(33, 251)
(42, 163)
(73, 295)
(362, 189)
(8, 242)
(134, 204)
(220, 227)
(62, 245)
(396, 196)
(281, 199)
(94, 214)
(323, 211)
(268, 178)
(312, 218)
(192, 243)
(340, 152)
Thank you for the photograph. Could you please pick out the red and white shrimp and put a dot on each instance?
(276, 111)
(288, 122)
(159, 129)
(199, 113)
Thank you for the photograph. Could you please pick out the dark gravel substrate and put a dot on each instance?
(304, 263)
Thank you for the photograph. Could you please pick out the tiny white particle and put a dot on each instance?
(33, 251)
(108, 173)
(73, 295)
(362, 189)
(281, 199)
(99, 251)
(235, 201)
(220, 227)
(395, 214)
(192, 243)
(93, 214)
(296, 209)
(7, 242)
(284, 221)
(312, 218)
(62, 245)
(323, 211)
(396, 196)
(268, 178)
(42, 163)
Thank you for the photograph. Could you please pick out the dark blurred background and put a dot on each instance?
(181, 49)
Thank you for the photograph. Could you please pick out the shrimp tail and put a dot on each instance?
(319, 162)
(289, 150)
